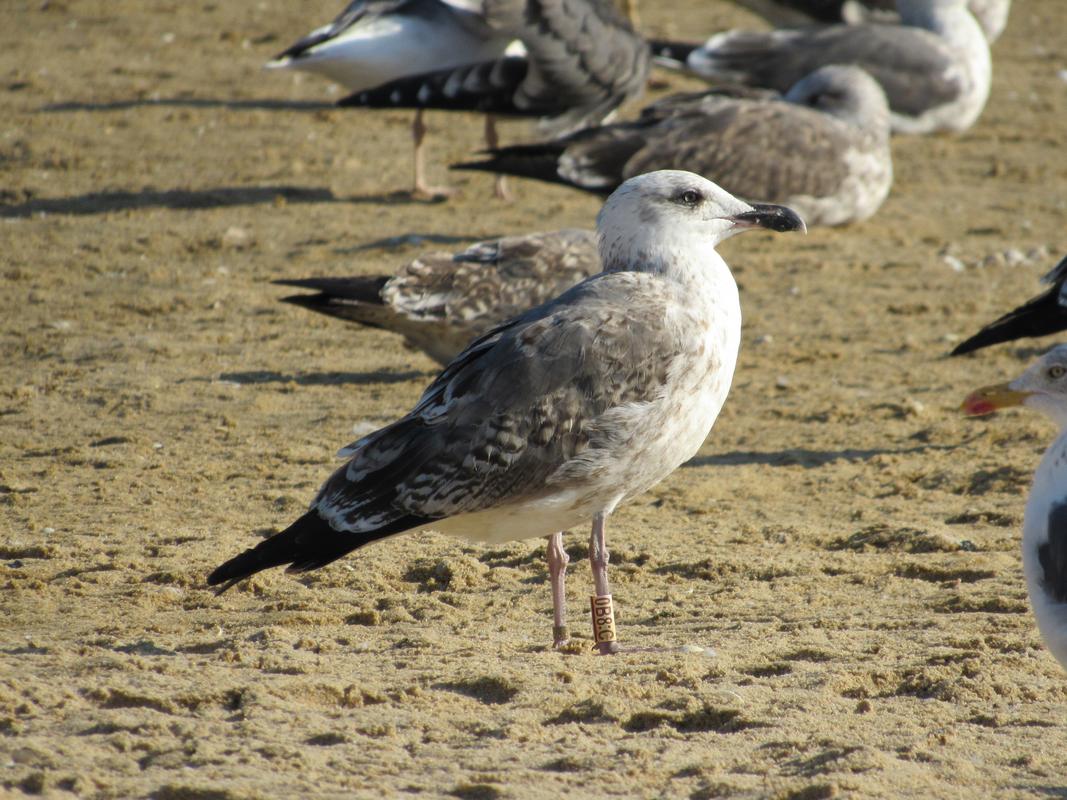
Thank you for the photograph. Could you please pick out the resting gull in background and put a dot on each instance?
(583, 60)
(992, 15)
(935, 68)
(373, 42)
(1043, 315)
(440, 302)
(823, 149)
(558, 415)
(1042, 387)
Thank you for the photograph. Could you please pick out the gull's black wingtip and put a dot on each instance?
(1041, 316)
(968, 346)
(474, 166)
(309, 540)
(309, 543)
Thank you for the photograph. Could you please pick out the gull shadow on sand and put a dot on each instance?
(254, 377)
(190, 102)
(410, 240)
(810, 459)
(192, 199)
(189, 199)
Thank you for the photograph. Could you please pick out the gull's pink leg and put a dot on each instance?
(557, 571)
(598, 561)
(492, 141)
(423, 191)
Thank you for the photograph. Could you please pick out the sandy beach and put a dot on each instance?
(845, 547)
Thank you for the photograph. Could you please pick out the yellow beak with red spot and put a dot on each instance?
(992, 398)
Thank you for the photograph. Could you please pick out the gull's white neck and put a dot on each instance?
(684, 256)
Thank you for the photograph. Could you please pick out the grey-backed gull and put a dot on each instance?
(992, 15)
(1042, 387)
(823, 149)
(582, 61)
(373, 42)
(935, 67)
(439, 302)
(558, 415)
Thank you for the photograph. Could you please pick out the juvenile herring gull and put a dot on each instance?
(823, 149)
(440, 302)
(992, 15)
(1042, 387)
(935, 67)
(558, 415)
(1041, 316)
(372, 42)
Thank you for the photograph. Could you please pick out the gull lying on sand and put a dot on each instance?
(992, 15)
(1043, 387)
(560, 414)
(1043, 315)
(440, 302)
(935, 67)
(823, 149)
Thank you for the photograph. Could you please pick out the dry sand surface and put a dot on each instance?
(846, 543)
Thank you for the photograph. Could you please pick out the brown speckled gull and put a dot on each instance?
(556, 416)
(823, 149)
(439, 302)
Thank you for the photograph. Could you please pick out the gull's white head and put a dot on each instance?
(659, 218)
(1042, 387)
(846, 92)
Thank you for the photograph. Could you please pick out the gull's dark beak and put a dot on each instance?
(775, 218)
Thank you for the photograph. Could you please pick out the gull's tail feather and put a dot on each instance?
(738, 56)
(672, 55)
(363, 289)
(309, 543)
(303, 47)
(353, 299)
(489, 87)
(537, 161)
(1041, 316)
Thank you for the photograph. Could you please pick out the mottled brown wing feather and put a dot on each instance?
(514, 407)
(757, 151)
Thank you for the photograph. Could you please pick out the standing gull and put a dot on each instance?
(823, 149)
(935, 68)
(373, 42)
(562, 413)
(440, 302)
(582, 61)
(1042, 387)
(1041, 316)
(992, 15)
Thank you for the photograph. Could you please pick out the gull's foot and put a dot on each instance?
(432, 194)
(560, 637)
(608, 648)
(500, 189)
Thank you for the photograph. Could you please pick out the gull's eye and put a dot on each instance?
(689, 197)
(1056, 371)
